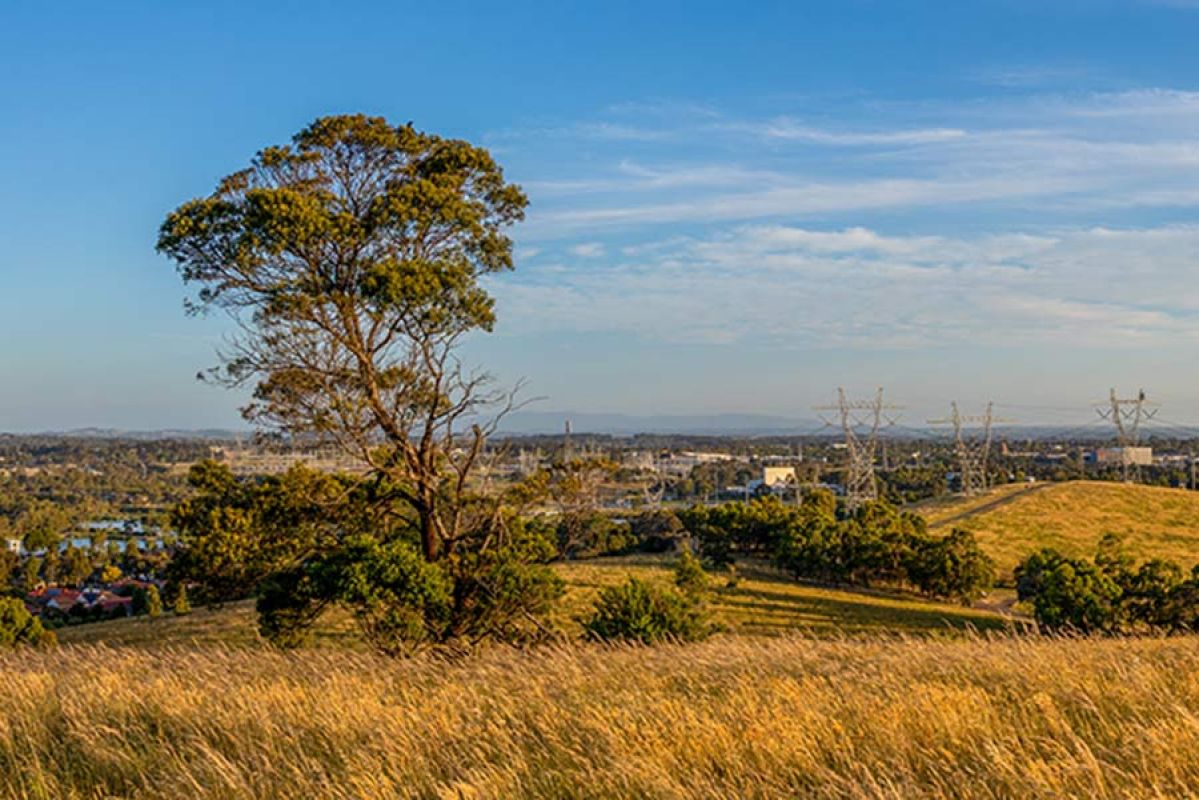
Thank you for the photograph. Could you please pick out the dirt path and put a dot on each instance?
(991, 505)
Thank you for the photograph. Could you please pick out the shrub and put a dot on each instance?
(689, 575)
(398, 598)
(1109, 594)
(640, 612)
(153, 602)
(403, 602)
(182, 605)
(19, 627)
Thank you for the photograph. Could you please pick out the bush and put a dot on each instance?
(640, 612)
(689, 576)
(182, 605)
(153, 602)
(398, 598)
(1109, 594)
(403, 602)
(19, 627)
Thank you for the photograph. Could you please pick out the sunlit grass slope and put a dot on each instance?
(763, 603)
(745, 717)
(1073, 517)
(760, 604)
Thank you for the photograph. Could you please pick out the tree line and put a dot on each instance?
(877, 544)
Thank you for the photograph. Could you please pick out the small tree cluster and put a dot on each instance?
(878, 544)
(1110, 593)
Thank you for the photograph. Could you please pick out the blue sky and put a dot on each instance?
(733, 209)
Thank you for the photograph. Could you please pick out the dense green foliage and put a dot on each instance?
(306, 541)
(234, 533)
(1110, 593)
(642, 612)
(877, 544)
(18, 626)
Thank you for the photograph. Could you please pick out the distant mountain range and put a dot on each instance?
(534, 422)
(527, 423)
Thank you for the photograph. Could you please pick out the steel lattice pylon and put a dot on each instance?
(1127, 413)
(971, 452)
(860, 422)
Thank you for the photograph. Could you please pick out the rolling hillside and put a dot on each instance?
(1013, 521)
(761, 603)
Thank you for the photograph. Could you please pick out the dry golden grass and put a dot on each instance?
(738, 717)
(1072, 517)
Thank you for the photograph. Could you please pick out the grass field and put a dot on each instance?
(761, 604)
(737, 717)
(1013, 521)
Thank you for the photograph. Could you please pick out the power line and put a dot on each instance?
(860, 423)
(971, 452)
(1127, 414)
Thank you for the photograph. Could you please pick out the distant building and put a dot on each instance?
(778, 476)
(1142, 456)
(683, 462)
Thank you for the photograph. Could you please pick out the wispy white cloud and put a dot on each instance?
(1041, 218)
(788, 129)
(1137, 103)
(803, 199)
(1025, 76)
(790, 286)
(587, 250)
(1060, 153)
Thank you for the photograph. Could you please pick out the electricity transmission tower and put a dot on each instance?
(567, 453)
(1127, 413)
(971, 452)
(860, 422)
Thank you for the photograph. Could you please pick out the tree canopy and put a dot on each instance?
(351, 259)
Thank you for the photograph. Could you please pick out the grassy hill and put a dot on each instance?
(761, 603)
(1013, 521)
(738, 716)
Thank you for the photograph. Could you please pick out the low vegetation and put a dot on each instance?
(638, 611)
(19, 627)
(732, 717)
(762, 603)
